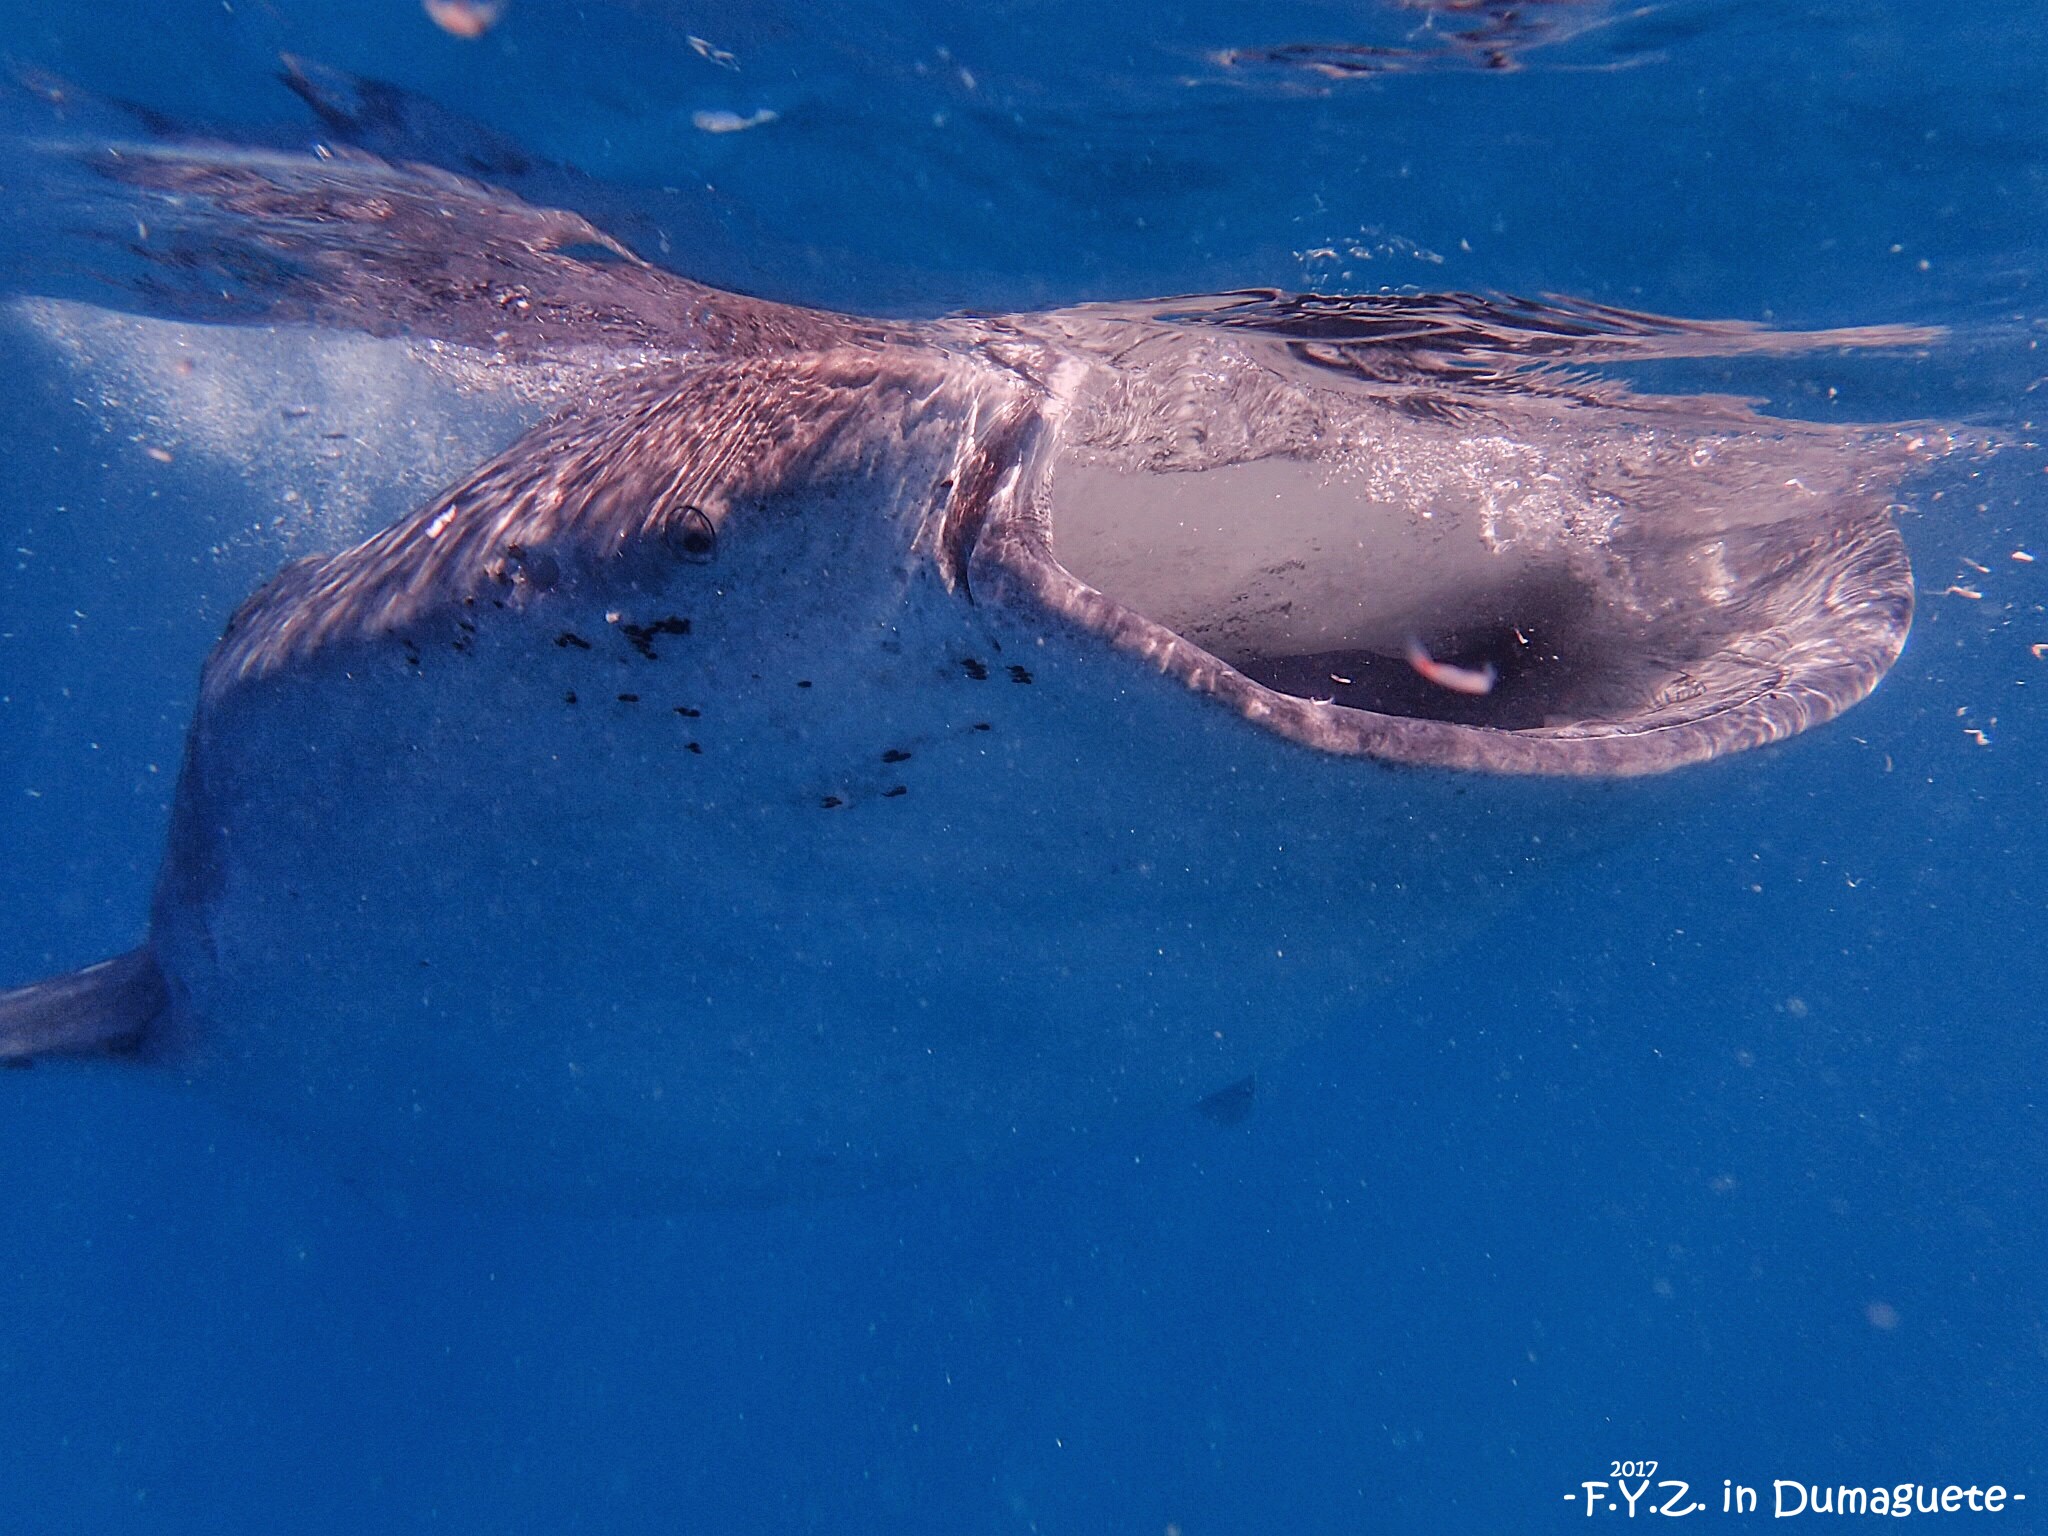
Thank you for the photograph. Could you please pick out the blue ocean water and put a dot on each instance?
(1725, 1153)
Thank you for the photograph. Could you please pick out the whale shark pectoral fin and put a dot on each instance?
(104, 1008)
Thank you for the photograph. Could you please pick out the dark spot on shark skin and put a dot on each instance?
(895, 755)
(978, 670)
(641, 636)
(831, 803)
(803, 682)
(629, 698)
(1020, 674)
(688, 713)
(1232, 1105)
(894, 791)
(569, 637)
(983, 725)
(691, 746)
(569, 697)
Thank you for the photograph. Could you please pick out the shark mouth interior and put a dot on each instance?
(1557, 616)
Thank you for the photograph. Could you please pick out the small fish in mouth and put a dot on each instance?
(1477, 681)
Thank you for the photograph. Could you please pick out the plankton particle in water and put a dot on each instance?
(722, 121)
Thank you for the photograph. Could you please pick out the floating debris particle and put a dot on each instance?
(469, 19)
(2023, 557)
(717, 55)
(722, 121)
(161, 455)
(1952, 590)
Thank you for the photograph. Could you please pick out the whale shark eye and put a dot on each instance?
(692, 535)
(536, 566)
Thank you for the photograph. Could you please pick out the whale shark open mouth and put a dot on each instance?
(1289, 576)
(1518, 578)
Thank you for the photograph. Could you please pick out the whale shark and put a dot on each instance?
(820, 750)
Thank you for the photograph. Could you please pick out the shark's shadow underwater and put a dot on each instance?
(830, 749)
